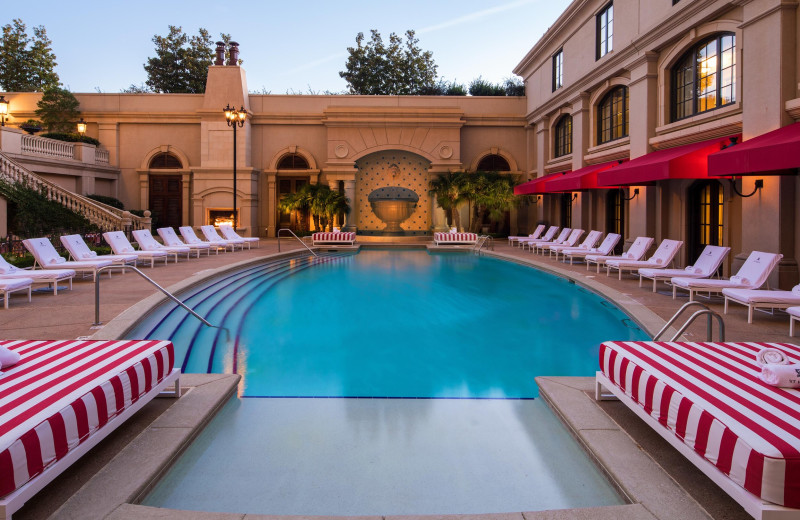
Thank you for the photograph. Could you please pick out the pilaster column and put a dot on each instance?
(271, 202)
(351, 219)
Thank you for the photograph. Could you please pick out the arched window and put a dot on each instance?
(705, 77)
(165, 161)
(493, 163)
(612, 115)
(563, 137)
(292, 161)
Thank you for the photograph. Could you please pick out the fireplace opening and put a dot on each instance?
(219, 216)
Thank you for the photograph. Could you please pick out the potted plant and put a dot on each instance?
(31, 126)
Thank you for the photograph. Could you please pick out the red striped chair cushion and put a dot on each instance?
(342, 236)
(455, 237)
(709, 395)
(62, 392)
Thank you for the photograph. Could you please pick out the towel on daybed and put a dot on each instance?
(784, 376)
(771, 356)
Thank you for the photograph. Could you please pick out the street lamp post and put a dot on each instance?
(235, 118)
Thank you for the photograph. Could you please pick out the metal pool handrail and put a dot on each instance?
(157, 286)
(482, 240)
(705, 310)
(295, 236)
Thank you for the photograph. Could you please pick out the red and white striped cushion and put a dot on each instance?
(455, 237)
(342, 236)
(62, 392)
(709, 395)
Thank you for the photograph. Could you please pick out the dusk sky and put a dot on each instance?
(286, 46)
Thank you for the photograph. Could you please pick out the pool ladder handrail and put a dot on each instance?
(482, 240)
(704, 311)
(298, 239)
(168, 294)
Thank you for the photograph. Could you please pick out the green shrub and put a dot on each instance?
(71, 137)
(26, 260)
(31, 214)
(481, 87)
(109, 201)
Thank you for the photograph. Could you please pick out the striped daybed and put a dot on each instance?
(63, 397)
(454, 238)
(706, 400)
(338, 237)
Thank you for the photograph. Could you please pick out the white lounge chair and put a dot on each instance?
(794, 315)
(762, 299)
(635, 252)
(562, 236)
(12, 285)
(190, 237)
(662, 257)
(78, 250)
(147, 243)
(604, 249)
(228, 233)
(706, 265)
(49, 276)
(121, 246)
(47, 257)
(210, 233)
(536, 234)
(548, 236)
(752, 275)
(570, 241)
(171, 239)
(589, 242)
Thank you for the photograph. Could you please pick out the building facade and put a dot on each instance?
(628, 97)
(629, 87)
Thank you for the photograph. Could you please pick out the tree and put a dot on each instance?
(181, 63)
(449, 192)
(401, 68)
(26, 64)
(481, 87)
(491, 195)
(514, 86)
(58, 110)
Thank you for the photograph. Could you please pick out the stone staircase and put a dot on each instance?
(107, 218)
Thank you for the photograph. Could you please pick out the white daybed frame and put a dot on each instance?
(16, 499)
(755, 506)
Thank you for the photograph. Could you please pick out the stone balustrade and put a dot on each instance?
(42, 146)
(103, 216)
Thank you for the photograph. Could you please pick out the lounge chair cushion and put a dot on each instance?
(64, 391)
(710, 397)
(749, 296)
(12, 284)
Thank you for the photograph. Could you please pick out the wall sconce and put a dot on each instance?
(635, 194)
(574, 197)
(81, 127)
(3, 110)
(537, 198)
(758, 186)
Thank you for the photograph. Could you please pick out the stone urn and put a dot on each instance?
(393, 205)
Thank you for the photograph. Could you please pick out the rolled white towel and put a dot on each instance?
(771, 356)
(8, 357)
(784, 376)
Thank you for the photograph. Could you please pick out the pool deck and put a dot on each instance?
(639, 463)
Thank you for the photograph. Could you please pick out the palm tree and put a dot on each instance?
(335, 203)
(449, 192)
(300, 200)
(326, 204)
(491, 193)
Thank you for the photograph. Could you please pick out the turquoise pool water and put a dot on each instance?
(393, 324)
(387, 383)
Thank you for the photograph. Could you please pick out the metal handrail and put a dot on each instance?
(157, 286)
(705, 310)
(298, 239)
(481, 242)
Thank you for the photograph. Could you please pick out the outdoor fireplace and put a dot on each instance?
(220, 216)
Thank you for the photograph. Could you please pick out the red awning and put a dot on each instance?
(583, 179)
(536, 185)
(682, 162)
(776, 150)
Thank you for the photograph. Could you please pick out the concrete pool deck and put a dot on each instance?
(614, 437)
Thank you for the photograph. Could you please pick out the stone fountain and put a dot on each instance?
(393, 205)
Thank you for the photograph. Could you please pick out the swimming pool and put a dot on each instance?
(388, 382)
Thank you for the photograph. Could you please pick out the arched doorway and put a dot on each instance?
(291, 181)
(706, 201)
(615, 217)
(165, 191)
